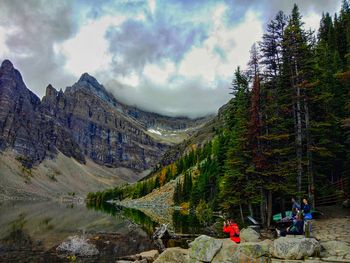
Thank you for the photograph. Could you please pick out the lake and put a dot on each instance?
(31, 231)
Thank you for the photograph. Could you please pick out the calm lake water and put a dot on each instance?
(31, 231)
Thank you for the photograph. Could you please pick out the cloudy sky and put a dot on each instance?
(172, 57)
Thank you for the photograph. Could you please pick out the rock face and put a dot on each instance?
(249, 235)
(23, 127)
(173, 255)
(244, 252)
(252, 252)
(295, 247)
(204, 248)
(335, 249)
(103, 133)
(226, 252)
(83, 122)
(207, 249)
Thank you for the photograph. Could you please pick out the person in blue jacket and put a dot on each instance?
(306, 209)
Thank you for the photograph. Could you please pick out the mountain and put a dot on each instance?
(197, 139)
(84, 122)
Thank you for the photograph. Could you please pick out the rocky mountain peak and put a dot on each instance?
(51, 91)
(86, 77)
(8, 72)
(86, 80)
(7, 65)
(88, 83)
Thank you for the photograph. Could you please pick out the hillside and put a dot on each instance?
(57, 178)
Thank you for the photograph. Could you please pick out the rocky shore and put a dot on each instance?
(283, 249)
(330, 240)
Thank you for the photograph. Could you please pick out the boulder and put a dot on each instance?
(252, 252)
(295, 247)
(204, 248)
(173, 255)
(225, 253)
(335, 248)
(267, 245)
(150, 256)
(249, 235)
(130, 257)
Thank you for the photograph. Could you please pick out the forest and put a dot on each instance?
(287, 126)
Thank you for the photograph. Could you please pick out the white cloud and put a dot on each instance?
(226, 48)
(132, 80)
(312, 20)
(88, 50)
(199, 62)
(159, 73)
(3, 48)
(152, 6)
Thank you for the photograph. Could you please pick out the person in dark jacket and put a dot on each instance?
(297, 228)
(231, 227)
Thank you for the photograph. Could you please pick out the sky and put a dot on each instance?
(170, 57)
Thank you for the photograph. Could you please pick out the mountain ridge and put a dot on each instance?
(84, 121)
(78, 140)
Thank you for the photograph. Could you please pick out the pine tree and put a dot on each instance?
(233, 183)
(277, 117)
(298, 62)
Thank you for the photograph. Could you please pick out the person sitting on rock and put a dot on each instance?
(297, 228)
(231, 227)
(306, 209)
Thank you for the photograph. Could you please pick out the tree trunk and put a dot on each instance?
(309, 156)
(262, 207)
(241, 211)
(299, 143)
(283, 208)
(269, 208)
(250, 210)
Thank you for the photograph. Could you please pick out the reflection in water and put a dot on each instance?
(31, 231)
(18, 246)
(184, 225)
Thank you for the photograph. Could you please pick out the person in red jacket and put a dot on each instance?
(231, 227)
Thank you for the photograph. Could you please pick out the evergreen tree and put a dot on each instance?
(298, 63)
(234, 181)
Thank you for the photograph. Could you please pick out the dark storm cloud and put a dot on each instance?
(136, 43)
(33, 29)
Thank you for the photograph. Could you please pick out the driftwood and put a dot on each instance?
(161, 232)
